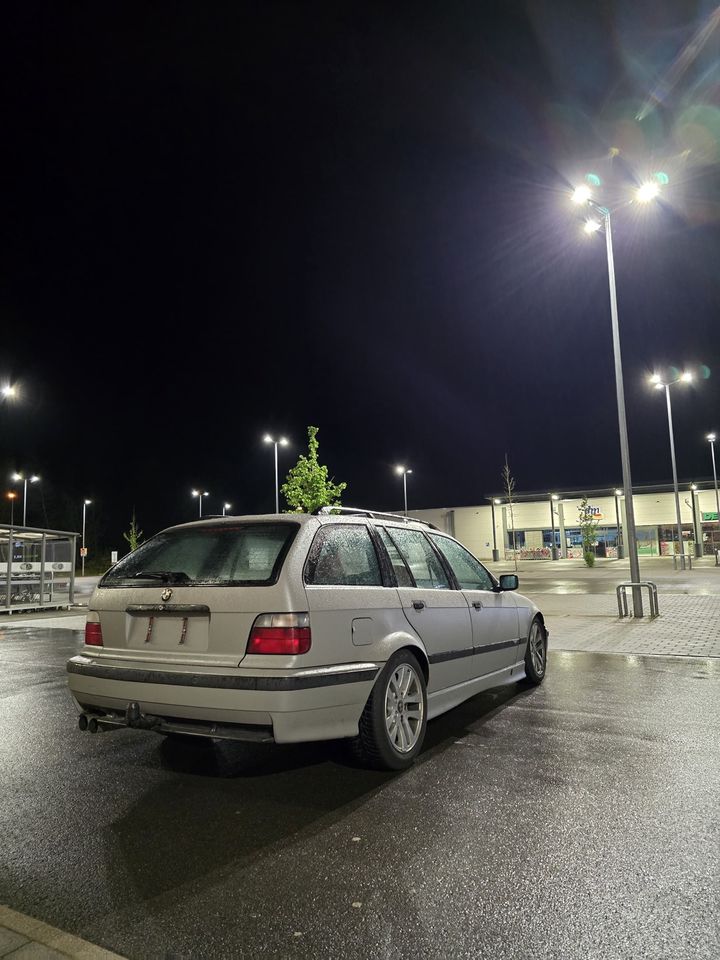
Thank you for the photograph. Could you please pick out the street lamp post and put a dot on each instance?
(226, 506)
(657, 381)
(200, 494)
(618, 539)
(12, 496)
(496, 553)
(553, 549)
(697, 530)
(583, 195)
(711, 438)
(283, 443)
(86, 504)
(17, 477)
(404, 471)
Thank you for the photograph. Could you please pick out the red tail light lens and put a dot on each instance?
(280, 633)
(93, 635)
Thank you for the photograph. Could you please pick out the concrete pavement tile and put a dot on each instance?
(10, 940)
(37, 951)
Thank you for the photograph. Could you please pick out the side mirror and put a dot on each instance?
(509, 581)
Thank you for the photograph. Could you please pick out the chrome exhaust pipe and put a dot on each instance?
(83, 721)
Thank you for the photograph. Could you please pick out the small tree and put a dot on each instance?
(588, 525)
(307, 486)
(509, 485)
(133, 535)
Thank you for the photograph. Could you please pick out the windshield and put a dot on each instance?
(237, 554)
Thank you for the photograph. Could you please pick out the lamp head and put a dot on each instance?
(87, 502)
(618, 493)
(17, 477)
(592, 226)
(497, 501)
(686, 377)
(9, 391)
(581, 194)
(268, 439)
(647, 192)
(399, 470)
(554, 496)
(693, 486)
(227, 505)
(284, 441)
(711, 437)
(34, 478)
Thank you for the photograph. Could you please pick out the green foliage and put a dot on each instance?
(133, 535)
(588, 526)
(307, 486)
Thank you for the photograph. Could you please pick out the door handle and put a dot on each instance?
(477, 604)
(418, 604)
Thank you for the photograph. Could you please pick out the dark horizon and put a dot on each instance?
(231, 221)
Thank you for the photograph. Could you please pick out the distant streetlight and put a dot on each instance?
(226, 506)
(404, 471)
(697, 530)
(618, 540)
(200, 494)
(496, 553)
(657, 381)
(282, 442)
(553, 549)
(17, 477)
(12, 496)
(86, 504)
(582, 196)
(9, 391)
(711, 438)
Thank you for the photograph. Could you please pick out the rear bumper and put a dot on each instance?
(309, 704)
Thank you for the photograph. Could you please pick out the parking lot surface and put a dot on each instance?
(578, 819)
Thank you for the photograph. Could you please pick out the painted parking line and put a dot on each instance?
(28, 930)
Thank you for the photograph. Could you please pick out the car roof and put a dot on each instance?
(343, 514)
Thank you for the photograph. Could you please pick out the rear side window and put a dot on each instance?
(469, 572)
(343, 555)
(402, 574)
(242, 554)
(420, 557)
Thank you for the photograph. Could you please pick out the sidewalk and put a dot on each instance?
(24, 938)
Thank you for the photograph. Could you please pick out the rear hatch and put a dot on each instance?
(192, 593)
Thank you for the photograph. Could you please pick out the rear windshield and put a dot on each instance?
(228, 555)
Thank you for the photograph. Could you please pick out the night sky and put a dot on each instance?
(223, 221)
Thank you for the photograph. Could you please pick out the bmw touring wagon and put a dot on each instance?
(284, 628)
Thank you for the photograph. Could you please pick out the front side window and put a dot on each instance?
(469, 572)
(420, 557)
(343, 555)
(242, 554)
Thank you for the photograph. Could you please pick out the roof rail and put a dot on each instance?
(374, 514)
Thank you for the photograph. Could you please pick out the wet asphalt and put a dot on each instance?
(576, 820)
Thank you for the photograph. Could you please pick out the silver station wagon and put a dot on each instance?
(343, 624)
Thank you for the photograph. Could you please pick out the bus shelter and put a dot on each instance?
(37, 568)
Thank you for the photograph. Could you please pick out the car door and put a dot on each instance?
(437, 611)
(493, 613)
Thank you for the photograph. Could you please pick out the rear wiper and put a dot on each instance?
(167, 576)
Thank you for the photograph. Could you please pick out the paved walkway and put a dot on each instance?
(24, 938)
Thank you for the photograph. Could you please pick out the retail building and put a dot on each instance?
(536, 521)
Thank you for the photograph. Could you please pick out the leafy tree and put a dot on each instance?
(588, 525)
(133, 535)
(509, 485)
(307, 486)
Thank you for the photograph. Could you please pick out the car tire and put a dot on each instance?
(391, 736)
(536, 653)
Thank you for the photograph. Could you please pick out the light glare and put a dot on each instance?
(591, 226)
(582, 194)
(648, 192)
(710, 437)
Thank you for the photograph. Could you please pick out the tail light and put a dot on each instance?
(280, 633)
(93, 635)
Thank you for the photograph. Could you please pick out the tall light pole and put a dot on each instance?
(583, 196)
(404, 471)
(12, 496)
(226, 506)
(618, 538)
(17, 477)
(711, 438)
(554, 550)
(657, 381)
(282, 442)
(496, 553)
(86, 504)
(200, 494)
